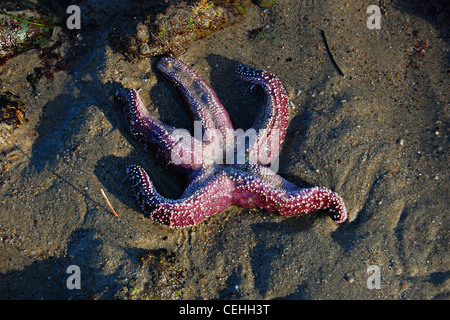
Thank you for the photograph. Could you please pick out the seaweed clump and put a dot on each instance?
(12, 110)
(23, 26)
(12, 114)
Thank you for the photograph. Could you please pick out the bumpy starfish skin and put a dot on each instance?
(215, 186)
(272, 123)
(196, 94)
(151, 131)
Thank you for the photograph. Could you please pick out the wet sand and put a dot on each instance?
(369, 120)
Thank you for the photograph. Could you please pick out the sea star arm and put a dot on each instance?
(152, 132)
(272, 122)
(253, 191)
(214, 196)
(198, 97)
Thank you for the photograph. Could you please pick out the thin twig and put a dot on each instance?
(109, 204)
(331, 55)
(27, 21)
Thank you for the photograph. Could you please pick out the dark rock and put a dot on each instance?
(169, 27)
(12, 109)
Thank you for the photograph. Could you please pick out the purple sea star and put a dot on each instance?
(214, 186)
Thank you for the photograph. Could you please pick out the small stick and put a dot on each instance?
(420, 50)
(331, 55)
(108, 203)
